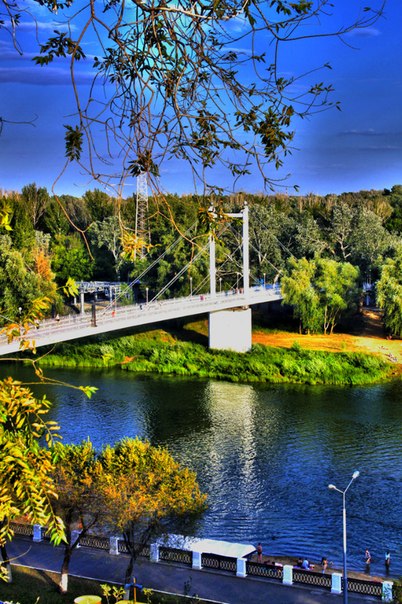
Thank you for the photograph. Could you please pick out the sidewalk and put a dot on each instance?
(226, 589)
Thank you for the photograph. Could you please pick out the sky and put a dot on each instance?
(359, 147)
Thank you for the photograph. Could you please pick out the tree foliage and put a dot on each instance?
(147, 493)
(26, 485)
(389, 293)
(80, 503)
(206, 82)
(319, 291)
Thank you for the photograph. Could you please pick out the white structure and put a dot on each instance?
(230, 329)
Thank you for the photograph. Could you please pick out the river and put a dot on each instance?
(265, 455)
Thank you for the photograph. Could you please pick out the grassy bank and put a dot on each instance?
(31, 586)
(160, 352)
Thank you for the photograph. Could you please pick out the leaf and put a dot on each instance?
(73, 140)
(88, 390)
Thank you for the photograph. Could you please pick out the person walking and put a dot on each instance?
(367, 559)
(259, 552)
(387, 560)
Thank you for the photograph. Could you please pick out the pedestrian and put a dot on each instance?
(367, 557)
(324, 564)
(387, 560)
(259, 552)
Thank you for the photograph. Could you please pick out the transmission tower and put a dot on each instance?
(141, 214)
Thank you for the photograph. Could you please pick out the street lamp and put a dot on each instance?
(264, 280)
(343, 493)
(237, 282)
(220, 285)
(146, 295)
(191, 286)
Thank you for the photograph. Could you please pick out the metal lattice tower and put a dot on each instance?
(141, 214)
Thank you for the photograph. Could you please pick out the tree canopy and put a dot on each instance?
(389, 293)
(147, 493)
(208, 83)
(319, 291)
(26, 485)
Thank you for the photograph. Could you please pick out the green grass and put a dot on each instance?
(159, 352)
(30, 586)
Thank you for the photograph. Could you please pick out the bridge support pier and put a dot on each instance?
(230, 329)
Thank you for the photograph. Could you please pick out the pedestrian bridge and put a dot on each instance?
(229, 319)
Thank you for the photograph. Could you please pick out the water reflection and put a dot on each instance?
(265, 455)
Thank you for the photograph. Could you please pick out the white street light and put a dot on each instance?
(191, 286)
(237, 282)
(220, 285)
(343, 493)
(264, 280)
(146, 295)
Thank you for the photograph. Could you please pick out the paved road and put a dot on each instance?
(219, 587)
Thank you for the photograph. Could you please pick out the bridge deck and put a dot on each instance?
(75, 327)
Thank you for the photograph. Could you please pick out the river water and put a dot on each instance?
(265, 455)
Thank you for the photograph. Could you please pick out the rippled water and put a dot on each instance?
(265, 455)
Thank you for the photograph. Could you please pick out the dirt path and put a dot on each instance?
(371, 340)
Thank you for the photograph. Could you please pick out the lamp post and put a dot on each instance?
(191, 286)
(220, 285)
(264, 280)
(345, 573)
(146, 295)
(237, 283)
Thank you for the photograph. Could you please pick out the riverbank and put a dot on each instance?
(161, 352)
(369, 339)
(317, 567)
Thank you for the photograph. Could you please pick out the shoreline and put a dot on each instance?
(317, 567)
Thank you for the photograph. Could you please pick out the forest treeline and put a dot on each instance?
(47, 240)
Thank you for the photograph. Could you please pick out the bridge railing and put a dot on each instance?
(119, 317)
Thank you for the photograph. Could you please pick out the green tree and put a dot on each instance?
(35, 200)
(147, 493)
(319, 291)
(23, 232)
(23, 280)
(105, 236)
(267, 226)
(337, 287)
(389, 293)
(369, 241)
(26, 485)
(394, 222)
(99, 205)
(54, 220)
(70, 259)
(298, 290)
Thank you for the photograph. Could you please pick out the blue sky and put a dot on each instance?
(357, 148)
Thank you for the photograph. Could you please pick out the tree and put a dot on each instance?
(298, 291)
(35, 200)
(389, 293)
(336, 283)
(70, 259)
(80, 502)
(99, 205)
(319, 291)
(205, 82)
(26, 485)
(147, 493)
(105, 235)
(22, 280)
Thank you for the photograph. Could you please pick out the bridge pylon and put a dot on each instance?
(231, 329)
